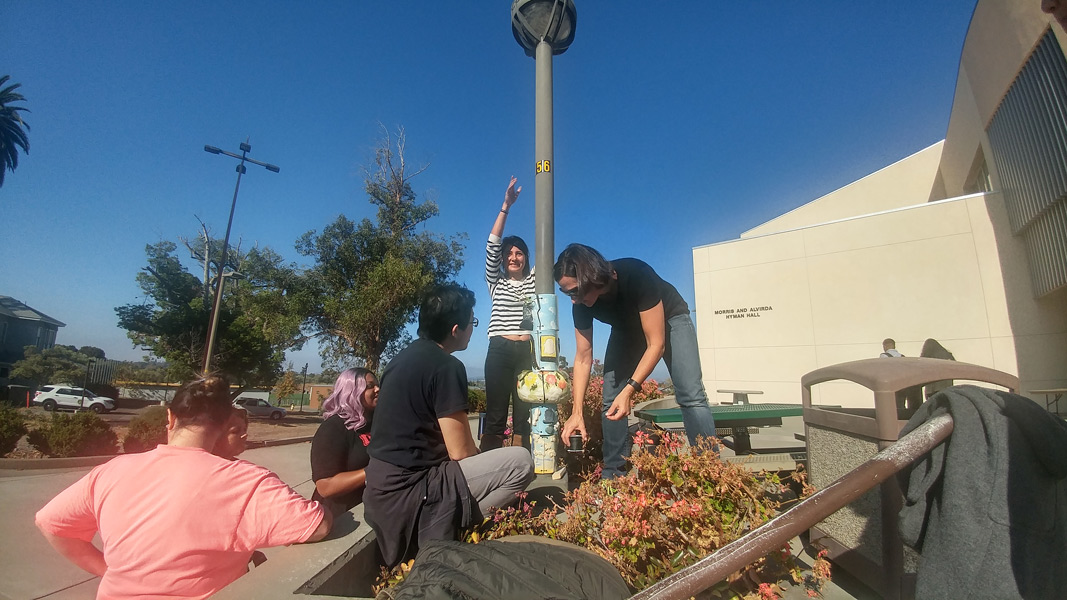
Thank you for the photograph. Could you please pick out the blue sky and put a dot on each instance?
(674, 127)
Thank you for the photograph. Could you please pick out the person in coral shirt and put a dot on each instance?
(178, 521)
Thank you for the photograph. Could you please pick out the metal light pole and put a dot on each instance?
(544, 28)
(85, 382)
(303, 387)
(213, 324)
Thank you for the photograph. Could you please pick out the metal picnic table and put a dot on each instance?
(737, 416)
(1052, 397)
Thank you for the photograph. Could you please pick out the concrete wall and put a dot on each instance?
(772, 308)
(904, 183)
(825, 283)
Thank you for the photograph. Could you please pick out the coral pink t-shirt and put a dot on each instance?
(179, 522)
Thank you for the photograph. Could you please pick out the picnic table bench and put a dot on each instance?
(739, 417)
(1052, 397)
(740, 396)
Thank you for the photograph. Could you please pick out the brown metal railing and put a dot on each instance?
(773, 534)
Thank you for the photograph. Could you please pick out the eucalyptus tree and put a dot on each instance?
(368, 277)
(260, 317)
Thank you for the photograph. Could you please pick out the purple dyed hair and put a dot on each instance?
(347, 398)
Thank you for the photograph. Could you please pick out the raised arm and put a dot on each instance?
(457, 433)
(510, 196)
(492, 247)
(654, 326)
(583, 363)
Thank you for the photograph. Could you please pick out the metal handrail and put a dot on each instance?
(716, 567)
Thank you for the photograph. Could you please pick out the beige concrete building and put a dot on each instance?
(964, 242)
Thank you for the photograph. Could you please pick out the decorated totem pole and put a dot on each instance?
(544, 28)
(546, 386)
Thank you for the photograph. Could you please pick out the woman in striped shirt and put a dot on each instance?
(511, 281)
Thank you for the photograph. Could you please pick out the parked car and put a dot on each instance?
(260, 408)
(65, 396)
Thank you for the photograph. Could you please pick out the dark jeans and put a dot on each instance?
(503, 363)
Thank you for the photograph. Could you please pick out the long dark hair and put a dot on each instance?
(584, 264)
(514, 241)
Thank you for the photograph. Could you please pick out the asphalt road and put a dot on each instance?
(119, 416)
(30, 569)
(122, 416)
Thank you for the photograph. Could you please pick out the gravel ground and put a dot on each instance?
(261, 430)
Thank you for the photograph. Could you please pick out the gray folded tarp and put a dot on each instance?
(987, 508)
(514, 570)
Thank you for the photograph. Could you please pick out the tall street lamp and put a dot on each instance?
(303, 387)
(544, 28)
(85, 382)
(213, 324)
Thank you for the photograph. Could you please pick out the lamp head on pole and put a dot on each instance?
(552, 21)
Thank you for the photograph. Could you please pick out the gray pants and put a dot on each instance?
(494, 477)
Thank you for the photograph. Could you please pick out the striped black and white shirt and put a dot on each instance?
(508, 295)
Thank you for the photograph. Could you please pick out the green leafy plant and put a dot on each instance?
(673, 509)
(80, 434)
(586, 465)
(12, 428)
(475, 400)
(146, 431)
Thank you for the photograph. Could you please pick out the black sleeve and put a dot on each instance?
(645, 285)
(329, 449)
(450, 393)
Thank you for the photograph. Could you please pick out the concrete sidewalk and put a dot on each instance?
(31, 570)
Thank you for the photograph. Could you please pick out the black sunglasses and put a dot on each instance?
(574, 292)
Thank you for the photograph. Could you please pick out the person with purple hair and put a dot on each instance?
(339, 449)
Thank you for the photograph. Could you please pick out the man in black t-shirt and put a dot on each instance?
(426, 479)
(649, 321)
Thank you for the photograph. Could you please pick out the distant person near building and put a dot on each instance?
(889, 349)
(178, 521)
(933, 349)
(908, 399)
(426, 479)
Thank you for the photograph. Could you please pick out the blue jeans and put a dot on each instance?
(683, 363)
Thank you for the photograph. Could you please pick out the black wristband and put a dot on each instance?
(636, 386)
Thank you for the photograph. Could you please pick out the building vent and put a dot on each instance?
(1028, 139)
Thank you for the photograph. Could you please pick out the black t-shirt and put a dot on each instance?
(335, 449)
(636, 289)
(420, 385)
